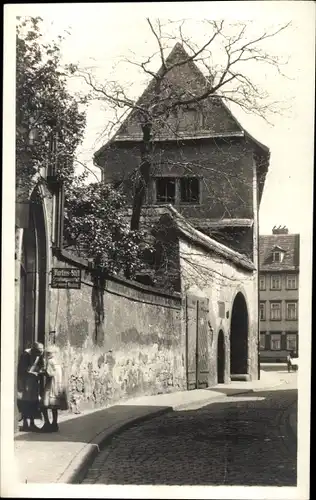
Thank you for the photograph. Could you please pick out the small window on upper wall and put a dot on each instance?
(291, 282)
(262, 340)
(276, 282)
(262, 311)
(275, 311)
(291, 311)
(165, 190)
(262, 282)
(190, 190)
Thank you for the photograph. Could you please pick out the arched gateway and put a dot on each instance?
(239, 337)
(33, 276)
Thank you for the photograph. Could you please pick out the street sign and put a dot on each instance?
(66, 278)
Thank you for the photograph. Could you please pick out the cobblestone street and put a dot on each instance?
(242, 440)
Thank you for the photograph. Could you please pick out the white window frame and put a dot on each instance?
(262, 309)
(262, 344)
(274, 255)
(291, 303)
(263, 278)
(288, 338)
(275, 309)
(272, 278)
(291, 277)
(275, 337)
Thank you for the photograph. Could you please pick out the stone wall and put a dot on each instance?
(123, 342)
(224, 165)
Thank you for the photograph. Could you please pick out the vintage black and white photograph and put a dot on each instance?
(160, 162)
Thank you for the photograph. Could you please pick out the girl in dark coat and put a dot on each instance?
(30, 366)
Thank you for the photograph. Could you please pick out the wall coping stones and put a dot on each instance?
(143, 294)
(187, 230)
(125, 287)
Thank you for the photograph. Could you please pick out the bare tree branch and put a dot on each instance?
(226, 80)
(158, 38)
(86, 168)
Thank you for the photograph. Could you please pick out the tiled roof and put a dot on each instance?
(288, 242)
(201, 223)
(152, 215)
(187, 230)
(186, 76)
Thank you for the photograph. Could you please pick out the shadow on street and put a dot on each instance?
(243, 440)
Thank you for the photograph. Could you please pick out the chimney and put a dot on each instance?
(280, 230)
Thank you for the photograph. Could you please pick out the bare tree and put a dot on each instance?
(159, 108)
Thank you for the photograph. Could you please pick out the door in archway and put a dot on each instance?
(220, 357)
(197, 342)
(33, 276)
(239, 336)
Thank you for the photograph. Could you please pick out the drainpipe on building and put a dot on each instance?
(258, 281)
(256, 251)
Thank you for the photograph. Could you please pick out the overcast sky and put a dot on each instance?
(101, 34)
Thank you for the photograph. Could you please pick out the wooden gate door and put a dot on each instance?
(191, 329)
(197, 342)
(202, 344)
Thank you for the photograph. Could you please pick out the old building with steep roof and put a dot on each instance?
(207, 175)
(202, 162)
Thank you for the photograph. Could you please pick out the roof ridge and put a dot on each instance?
(278, 235)
(178, 47)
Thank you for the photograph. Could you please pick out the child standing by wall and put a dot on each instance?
(54, 393)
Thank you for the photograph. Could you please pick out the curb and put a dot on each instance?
(221, 395)
(268, 387)
(79, 465)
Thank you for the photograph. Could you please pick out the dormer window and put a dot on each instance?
(276, 256)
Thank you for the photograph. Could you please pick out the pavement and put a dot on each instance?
(65, 457)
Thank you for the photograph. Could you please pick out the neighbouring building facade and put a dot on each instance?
(279, 294)
(212, 173)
